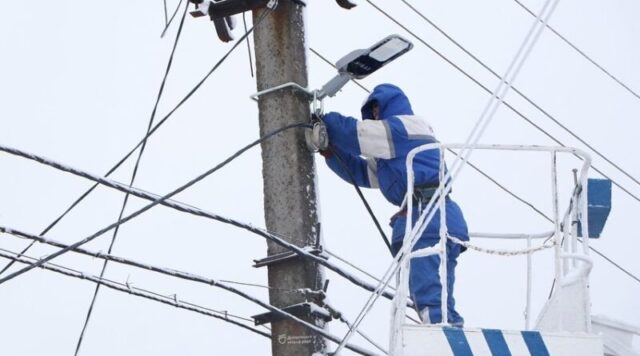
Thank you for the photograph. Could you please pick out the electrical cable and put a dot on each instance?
(167, 271)
(256, 285)
(47, 265)
(129, 262)
(157, 126)
(364, 201)
(109, 257)
(336, 314)
(526, 98)
(139, 292)
(514, 110)
(250, 284)
(352, 265)
(175, 12)
(166, 19)
(583, 54)
(271, 236)
(133, 177)
(505, 189)
(178, 274)
(614, 263)
(157, 201)
(244, 20)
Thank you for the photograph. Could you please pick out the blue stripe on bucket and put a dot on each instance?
(535, 344)
(457, 341)
(497, 343)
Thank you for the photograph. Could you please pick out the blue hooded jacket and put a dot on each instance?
(375, 151)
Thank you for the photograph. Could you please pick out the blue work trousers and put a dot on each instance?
(424, 281)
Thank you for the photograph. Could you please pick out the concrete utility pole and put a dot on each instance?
(288, 170)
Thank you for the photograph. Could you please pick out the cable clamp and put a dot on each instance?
(335, 314)
(312, 295)
(128, 284)
(291, 85)
(317, 104)
(301, 310)
(287, 256)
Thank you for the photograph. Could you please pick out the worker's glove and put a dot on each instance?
(317, 138)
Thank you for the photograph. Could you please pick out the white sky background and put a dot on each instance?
(78, 83)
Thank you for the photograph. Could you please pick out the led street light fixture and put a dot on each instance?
(355, 65)
(360, 63)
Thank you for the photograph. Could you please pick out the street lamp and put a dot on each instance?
(355, 65)
(362, 62)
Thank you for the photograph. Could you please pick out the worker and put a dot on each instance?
(372, 153)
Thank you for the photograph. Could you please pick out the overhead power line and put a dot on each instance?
(505, 189)
(129, 289)
(109, 257)
(129, 262)
(244, 21)
(352, 265)
(256, 285)
(556, 121)
(616, 265)
(271, 236)
(583, 54)
(147, 207)
(514, 110)
(340, 316)
(359, 269)
(182, 275)
(151, 132)
(385, 239)
(168, 23)
(166, 18)
(133, 176)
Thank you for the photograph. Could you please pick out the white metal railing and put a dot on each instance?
(569, 262)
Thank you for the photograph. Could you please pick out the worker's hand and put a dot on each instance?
(317, 138)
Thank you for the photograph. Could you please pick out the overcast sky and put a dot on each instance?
(78, 82)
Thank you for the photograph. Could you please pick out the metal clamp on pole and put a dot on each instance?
(287, 256)
(317, 105)
(291, 85)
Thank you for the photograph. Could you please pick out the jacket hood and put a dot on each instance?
(390, 98)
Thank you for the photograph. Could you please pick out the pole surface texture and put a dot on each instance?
(288, 170)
